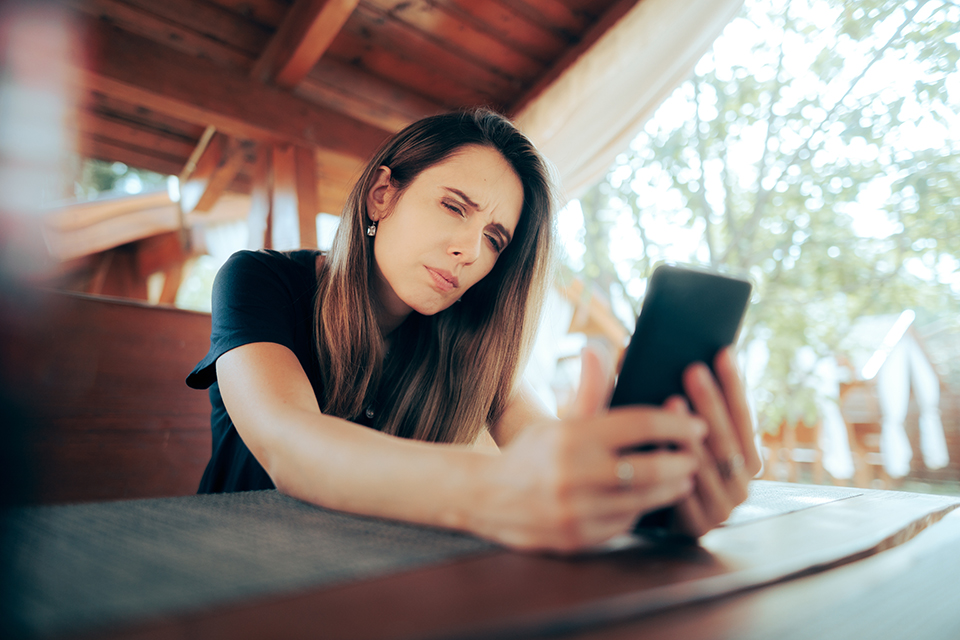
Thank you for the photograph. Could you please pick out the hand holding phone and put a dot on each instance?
(687, 316)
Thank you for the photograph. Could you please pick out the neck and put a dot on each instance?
(390, 310)
(389, 321)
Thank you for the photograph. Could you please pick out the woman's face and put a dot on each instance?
(445, 231)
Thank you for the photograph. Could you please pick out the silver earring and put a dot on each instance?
(372, 230)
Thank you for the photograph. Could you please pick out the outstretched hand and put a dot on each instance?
(573, 484)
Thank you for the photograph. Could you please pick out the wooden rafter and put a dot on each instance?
(142, 72)
(300, 41)
(122, 131)
(302, 38)
(606, 21)
(145, 22)
(349, 89)
(214, 172)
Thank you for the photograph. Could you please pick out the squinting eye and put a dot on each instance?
(495, 242)
(454, 208)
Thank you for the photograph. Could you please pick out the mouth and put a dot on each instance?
(444, 280)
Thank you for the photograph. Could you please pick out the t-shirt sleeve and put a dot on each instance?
(251, 302)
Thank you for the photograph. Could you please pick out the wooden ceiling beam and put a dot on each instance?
(134, 134)
(136, 70)
(212, 22)
(214, 172)
(146, 23)
(454, 32)
(301, 40)
(349, 89)
(594, 33)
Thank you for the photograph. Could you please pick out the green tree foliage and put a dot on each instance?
(817, 149)
(95, 177)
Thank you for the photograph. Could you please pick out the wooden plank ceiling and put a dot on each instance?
(206, 89)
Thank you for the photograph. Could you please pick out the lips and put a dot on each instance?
(444, 280)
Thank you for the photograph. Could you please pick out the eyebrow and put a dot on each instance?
(463, 196)
(496, 225)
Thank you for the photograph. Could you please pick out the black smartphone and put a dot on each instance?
(687, 316)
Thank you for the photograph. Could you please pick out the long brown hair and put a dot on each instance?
(450, 374)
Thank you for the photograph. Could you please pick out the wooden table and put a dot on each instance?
(875, 565)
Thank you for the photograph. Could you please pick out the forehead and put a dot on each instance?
(484, 176)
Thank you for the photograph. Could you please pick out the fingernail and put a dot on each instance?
(703, 373)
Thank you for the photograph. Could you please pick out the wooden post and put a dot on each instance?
(307, 196)
(258, 220)
(284, 210)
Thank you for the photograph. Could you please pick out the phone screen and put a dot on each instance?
(687, 316)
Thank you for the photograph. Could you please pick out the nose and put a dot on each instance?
(467, 243)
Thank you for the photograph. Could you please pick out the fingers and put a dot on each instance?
(723, 441)
(596, 381)
(644, 470)
(626, 428)
(732, 384)
(722, 477)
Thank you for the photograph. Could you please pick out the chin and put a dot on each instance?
(433, 308)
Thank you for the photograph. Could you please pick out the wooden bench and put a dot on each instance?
(99, 385)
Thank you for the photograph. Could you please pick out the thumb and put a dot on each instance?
(596, 381)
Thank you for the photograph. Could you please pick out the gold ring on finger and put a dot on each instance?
(625, 473)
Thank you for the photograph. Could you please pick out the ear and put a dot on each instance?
(380, 196)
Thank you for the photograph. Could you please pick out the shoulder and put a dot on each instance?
(270, 268)
(266, 278)
(299, 262)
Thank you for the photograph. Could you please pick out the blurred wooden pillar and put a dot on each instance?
(283, 210)
(307, 205)
(258, 220)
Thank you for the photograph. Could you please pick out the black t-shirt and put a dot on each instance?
(258, 296)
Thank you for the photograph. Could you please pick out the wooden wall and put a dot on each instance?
(100, 383)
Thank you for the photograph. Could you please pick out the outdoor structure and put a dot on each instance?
(276, 104)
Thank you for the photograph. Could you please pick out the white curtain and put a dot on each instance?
(926, 390)
(905, 366)
(593, 110)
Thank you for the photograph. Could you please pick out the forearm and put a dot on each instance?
(341, 465)
(335, 463)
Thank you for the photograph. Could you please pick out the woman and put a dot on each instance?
(361, 380)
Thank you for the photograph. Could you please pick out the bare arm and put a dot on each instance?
(332, 462)
(553, 487)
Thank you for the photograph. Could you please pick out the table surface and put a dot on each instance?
(795, 562)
